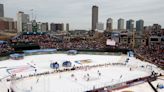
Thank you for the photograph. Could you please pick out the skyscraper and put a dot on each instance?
(1, 10)
(109, 24)
(120, 24)
(130, 25)
(7, 24)
(67, 27)
(42, 27)
(22, 20)
(56, 27)
(139, 25)
(156, 27)
(94, 17)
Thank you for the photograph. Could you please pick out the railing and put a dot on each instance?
(81, 52)
(118, 86)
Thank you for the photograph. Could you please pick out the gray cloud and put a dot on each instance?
(78, 12)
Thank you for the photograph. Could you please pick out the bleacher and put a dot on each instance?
(5, 48)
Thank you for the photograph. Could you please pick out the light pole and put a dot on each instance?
(32, 15)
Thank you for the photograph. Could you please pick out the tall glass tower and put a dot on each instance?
(1, 10)
(94, 17)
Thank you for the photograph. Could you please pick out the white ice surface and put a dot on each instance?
(62, 82)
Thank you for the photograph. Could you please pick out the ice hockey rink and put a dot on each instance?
(107, 71)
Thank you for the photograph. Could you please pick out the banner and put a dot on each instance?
(110, 42)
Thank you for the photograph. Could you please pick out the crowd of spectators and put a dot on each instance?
(5, 48)
(153, 53)
(85, 44)
(43, 40)
(46, 41)
(123, 46)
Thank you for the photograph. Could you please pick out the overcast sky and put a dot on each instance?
(78, 12)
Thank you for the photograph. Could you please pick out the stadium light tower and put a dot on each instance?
(133, 39)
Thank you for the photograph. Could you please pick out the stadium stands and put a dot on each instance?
(152, 52)
(5, 48)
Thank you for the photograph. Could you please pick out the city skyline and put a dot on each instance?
(78, 13)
